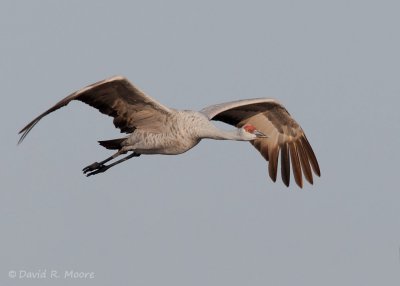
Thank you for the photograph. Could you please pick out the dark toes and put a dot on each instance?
(92, 167)
(102, 169)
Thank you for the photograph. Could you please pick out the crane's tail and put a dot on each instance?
(113, 143)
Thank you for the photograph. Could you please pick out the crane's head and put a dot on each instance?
(249, 132)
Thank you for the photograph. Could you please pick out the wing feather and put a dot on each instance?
(305, 164)
(285, 136)
(311, 155)
(294, 155)
(273, 162)
(285, 164)
(118, 98)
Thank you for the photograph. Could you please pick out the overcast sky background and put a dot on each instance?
(211, 216)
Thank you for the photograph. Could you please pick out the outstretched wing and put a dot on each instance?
(285, 136)
(116, 97)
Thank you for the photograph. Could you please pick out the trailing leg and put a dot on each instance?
(97, 165)
(102, 168)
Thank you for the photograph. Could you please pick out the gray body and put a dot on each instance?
(177, 136)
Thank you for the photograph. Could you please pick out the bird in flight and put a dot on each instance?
(153, 128)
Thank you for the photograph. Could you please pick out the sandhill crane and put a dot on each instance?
(153, 128)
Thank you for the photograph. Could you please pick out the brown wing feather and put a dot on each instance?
(285, 164)
(285, 136)
(116, 97)
(294, 155)
(305, 164)
(311, 156)
(273, 162)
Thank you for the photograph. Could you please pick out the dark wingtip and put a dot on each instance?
(20, 141)
(273, 163)
(296, 165)
(285, 164)
(22, 136)
(26, 130)
(272, 178)
(311, 156)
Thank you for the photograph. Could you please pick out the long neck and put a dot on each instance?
(213, 132)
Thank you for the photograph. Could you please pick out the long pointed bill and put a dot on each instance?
(259, 134)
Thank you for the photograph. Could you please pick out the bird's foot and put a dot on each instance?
(100, 169)
(92, 167)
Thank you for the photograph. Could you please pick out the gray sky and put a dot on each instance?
(211, 216)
